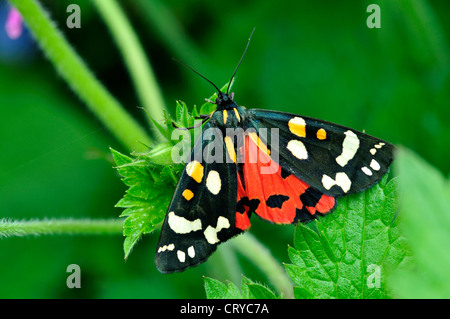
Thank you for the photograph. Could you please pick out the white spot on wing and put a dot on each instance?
(297, 149)
(191, 251)
(327, 181)
(350, 146)
(340, 180)
(181, 256)
(343, 181)
(375, 165)
(169, 247)
(213, 182)
(366, 171)
(211, 232)
(181, 225)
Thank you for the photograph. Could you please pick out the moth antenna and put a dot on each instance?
(196, 72)
(237, 67)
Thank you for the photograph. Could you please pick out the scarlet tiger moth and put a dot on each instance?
(312, 162)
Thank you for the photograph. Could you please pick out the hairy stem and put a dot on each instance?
(74, 71)
(61, 226)
(260, 256)
(138, 65)
(225, 265)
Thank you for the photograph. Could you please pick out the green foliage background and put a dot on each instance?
(318, 59)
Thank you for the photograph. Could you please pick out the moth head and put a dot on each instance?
(224, 100)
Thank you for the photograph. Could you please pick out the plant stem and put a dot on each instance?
(61, 226)
(138, 65)
(225, 265)
(74, 71)
(260, 256)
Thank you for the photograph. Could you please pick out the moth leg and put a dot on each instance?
(205, 118)
(210, 101)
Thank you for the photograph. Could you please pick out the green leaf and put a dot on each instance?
(162, 129)
(353, 248)
(208, 108)
(425, 214)
(182, 114)
(249, 290)
(214, 289)
(160, 154)
(217, 290)
(244, 287)
(148, 196)
(258, 291)
(119, 158)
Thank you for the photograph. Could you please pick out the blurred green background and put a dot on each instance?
(317, 59)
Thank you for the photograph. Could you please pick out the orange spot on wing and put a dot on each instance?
(321, 134)
(297, 126)
(195, 170)
(188, 194)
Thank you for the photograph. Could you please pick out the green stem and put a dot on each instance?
(260, 256)
(138, 65)
(225, 264)
(73, 70)
(61, 226)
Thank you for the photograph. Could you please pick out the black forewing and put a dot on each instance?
(370, 162)
(188, 234)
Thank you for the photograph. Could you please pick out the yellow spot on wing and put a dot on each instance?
(259, 143)
(188, 194)
(225, 116)
(230, 148)
(195, 170)
(321, 134)
(237, 114)
(297, 126)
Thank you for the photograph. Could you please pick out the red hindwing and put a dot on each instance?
(273, 194)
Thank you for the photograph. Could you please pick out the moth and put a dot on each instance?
(285, 168)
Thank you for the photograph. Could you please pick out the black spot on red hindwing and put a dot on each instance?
(244, 203)
(304, 216)
(315, 202)
(284, 173)
(310, 197)
(276, 201)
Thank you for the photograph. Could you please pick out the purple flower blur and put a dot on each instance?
(16, 42)
(13, 24)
